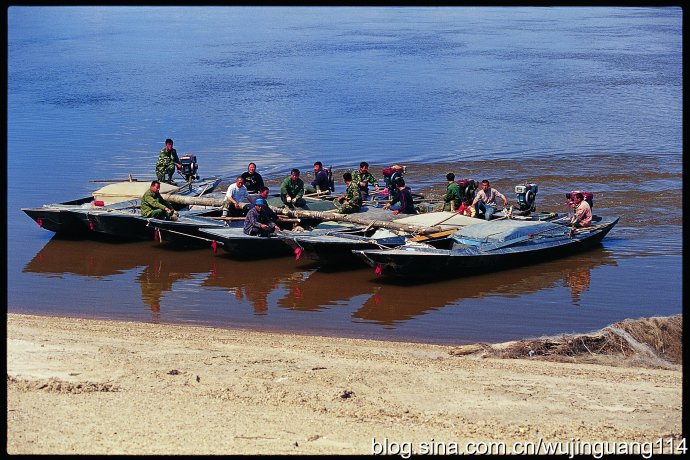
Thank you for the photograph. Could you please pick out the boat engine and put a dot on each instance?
(526, 197)
(189, 167)
(468, 188)
(588, 196)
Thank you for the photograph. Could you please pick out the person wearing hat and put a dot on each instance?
(167, 161)
(258, 221)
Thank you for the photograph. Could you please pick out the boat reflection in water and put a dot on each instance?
(394, 303)
(321, 290)
(102, 260)
(252, 280)
(198, 287)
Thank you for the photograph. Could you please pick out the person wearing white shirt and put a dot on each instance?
(236, 198)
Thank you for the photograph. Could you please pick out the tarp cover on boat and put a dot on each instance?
(499, 231)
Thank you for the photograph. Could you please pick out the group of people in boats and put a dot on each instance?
(248, 195)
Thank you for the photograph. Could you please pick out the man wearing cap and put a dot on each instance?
(167, 161)
(259, 221)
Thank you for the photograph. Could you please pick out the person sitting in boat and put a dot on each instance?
(351, 200)
(321, 184)
(260, 220)
(292, 190)
(485, 200)
(153, 205)
(583, 212)
(451, 200)
(402, 203)
(236, 200)
(363, 178)
(167, 162)
(466, 209)
(252, 179)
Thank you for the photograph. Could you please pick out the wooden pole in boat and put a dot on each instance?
(317, 215)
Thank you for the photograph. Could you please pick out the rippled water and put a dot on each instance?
(568, 98)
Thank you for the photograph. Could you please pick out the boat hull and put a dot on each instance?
(423, 263)
(245, 247)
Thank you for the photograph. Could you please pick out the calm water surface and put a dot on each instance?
(568, 98)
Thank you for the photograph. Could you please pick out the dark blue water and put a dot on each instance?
(569, 98)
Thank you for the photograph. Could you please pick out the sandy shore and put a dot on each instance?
(105, 387)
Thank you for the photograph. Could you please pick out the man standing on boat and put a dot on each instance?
(167, 162)
(583, 212)
(153, 205)
(363, 178)
(485, 200)
(292, 190)
(351, 200)
(252, 179)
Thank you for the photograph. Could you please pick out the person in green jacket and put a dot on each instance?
(154, 205)
(453, 196)
(292, 190)
(351, 200)
(167, 162)
(363, 178)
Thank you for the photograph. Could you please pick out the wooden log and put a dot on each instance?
(317, 215)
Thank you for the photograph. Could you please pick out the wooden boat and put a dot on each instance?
(89, 216)
(490, 246)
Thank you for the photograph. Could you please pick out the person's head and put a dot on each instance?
(251, 168)
(260, 203)
(579, 197)
(485, 185)
(168, 143)
(239, 181)
(294, 174)
(318, 166)
(400, 182)
(450, 177)
(155, 186)
(347, 177)
(263, 192)
(363, 166)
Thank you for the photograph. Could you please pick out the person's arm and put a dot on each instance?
(505, 200)
(300, 189)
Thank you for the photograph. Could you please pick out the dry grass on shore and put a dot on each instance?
(655, 342)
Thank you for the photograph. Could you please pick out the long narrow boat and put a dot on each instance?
(89, 216)
(493, 245)
(246, 247)
(334, 249)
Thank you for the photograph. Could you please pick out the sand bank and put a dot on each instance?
(107, 387)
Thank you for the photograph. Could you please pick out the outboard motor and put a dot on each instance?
(468, 188)
(526, 197)
(588, 196)
(189, 167)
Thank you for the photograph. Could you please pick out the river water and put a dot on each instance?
(567, 98)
